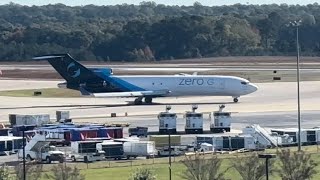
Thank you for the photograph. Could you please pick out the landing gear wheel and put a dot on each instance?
(137, 101)
(235, 100)
(148, 100)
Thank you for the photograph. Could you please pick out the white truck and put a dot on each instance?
(175, 151)
(85, 151)
(139, 148)
(38, 148)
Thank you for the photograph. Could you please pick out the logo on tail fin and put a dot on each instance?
(72, 71)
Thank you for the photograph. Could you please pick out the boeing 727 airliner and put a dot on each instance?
(102, 83)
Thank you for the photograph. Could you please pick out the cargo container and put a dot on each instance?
(111, 149)
(220, 121)
(38, 120)
(167, 122)
(85, 151)
(194, 121)
(139, 148)
(62, 115)
(163, 140)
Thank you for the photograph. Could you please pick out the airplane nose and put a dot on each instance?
(253, 87)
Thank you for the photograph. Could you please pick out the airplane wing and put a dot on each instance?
(154, 93)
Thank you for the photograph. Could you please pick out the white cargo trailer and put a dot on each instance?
(220, 121)
(167, 121)
(39, 119)
(62, 115)
(139, 148)
(194, 121)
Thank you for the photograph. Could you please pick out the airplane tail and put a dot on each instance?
(71, 70)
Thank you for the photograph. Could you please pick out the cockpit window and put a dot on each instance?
(244, 83)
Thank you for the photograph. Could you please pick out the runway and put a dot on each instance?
(274, 104)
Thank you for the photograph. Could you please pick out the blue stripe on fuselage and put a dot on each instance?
(121, 84)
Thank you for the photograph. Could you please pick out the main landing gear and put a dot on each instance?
(235, 99)
(147, 100)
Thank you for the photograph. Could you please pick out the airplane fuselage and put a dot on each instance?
(193, 85)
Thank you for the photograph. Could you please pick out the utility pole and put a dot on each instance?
(24, 152)
(169, 154)
(296, 24)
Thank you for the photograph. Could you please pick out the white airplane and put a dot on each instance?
(102, 83)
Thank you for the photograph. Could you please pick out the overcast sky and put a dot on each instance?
(167, 2)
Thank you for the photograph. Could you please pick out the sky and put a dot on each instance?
(167, 2)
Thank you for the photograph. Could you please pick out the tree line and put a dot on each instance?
(153, 32)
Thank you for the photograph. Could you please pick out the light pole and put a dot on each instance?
(267, 157)
(24, 152)
(296, 24)
(169, 141)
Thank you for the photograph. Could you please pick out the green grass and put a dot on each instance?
(121, 170)
(48, 92)
(112, 170)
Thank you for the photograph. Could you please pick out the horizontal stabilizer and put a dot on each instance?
(49, 57)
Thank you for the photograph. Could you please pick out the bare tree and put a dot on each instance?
(33, 171)
(4, 172)
(200, 168)
(61, 172)
(143, 174)
(251, 167)
(296, 165)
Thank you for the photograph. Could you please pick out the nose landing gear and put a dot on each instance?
(235, 99)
